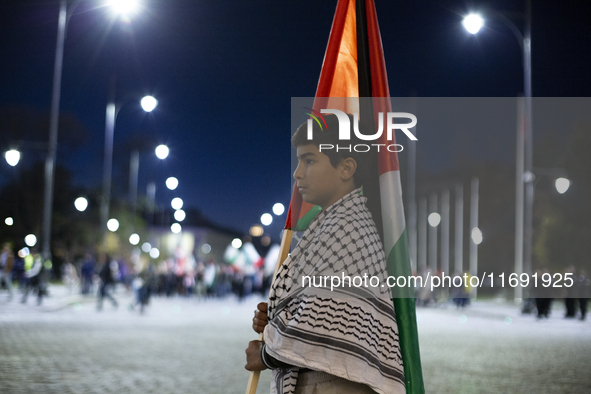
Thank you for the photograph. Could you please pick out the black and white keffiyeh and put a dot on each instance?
(350, 332)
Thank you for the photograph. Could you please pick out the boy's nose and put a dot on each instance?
(297, 174)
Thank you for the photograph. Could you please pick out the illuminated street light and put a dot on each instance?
(146, 247)
(8, 221)
(81, 204)
(176, 203)
(256, 230)
(236, 243)
(154, 253)
(206, 248)
(434, 219)
(476, 236)
(148, 103)
(162, 152)
(123, 7)
(473, 23)
(176, 228)
(266, 219)
(12, 157)
(179, 215)
(562, 185)
(134, 239)
(113, 225)
(31, 240)
(172, 183)
(278, 209)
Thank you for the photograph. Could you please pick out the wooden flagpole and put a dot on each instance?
(253, 379)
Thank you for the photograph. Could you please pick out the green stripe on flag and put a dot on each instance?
(305, 220)
(398, 264)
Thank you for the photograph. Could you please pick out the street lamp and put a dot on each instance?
(278, 209)
(562, 185)
(266, 219)
(179, 215)
(81, 204)
(176, 203)
(523, 201)
(473, 23)
(176, 228)
(112, 111)
(113, 225)
(31, 240)
(54, 117)
(123, 7)
(12, 157)
(162, 151)
(172, 183)
(434, 219)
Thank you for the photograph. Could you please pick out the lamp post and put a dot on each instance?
(524, 200)
(112, 111)
(54, 115)
(134, 165)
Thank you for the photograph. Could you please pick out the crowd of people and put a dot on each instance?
(99, 274)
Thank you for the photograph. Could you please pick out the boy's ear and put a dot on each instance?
(349, 166)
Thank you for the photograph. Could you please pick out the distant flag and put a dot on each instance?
(354, 67)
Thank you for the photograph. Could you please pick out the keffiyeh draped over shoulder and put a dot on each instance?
(349, 332)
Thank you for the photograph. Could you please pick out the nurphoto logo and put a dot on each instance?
(345, 130)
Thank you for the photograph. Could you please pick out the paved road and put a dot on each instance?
(188, 346)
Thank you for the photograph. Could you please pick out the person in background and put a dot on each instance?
(6, 264)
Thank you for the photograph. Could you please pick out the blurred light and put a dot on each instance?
(562, 185)
(12, 157)
(134, 239)
(81, 204)
(266, 219)
(176, 203)
(266, 240)
(179, 215)
(528, 176)
(123, 7)
(473, 23)
(476, 236)
(30, 240)
(146, 247)
(463, 319)
(172, 183)
(434, 219)
(256, 230)
(23, 252)
(236, 242)
(149, 103)
(176, 228)
(278, 209)
(9, 221)
(162, 151)
(113, 225)
(154, 253)
(47, 264)
(206, 248)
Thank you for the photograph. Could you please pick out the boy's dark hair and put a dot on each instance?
(329, 134)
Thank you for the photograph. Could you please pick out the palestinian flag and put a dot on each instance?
(354, 67)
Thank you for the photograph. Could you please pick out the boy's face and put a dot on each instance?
(318, 181)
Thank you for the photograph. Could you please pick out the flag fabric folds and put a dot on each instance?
(354, 67)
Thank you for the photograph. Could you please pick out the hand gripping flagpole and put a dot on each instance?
(253, 379)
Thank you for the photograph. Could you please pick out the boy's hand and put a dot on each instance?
(253, 356)
(260, 320)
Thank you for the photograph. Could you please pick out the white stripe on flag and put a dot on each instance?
(392, 208)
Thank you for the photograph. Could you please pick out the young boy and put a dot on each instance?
(342, 339)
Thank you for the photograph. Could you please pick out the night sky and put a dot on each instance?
(224, 72)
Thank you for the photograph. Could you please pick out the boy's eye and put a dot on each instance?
(309, 161)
